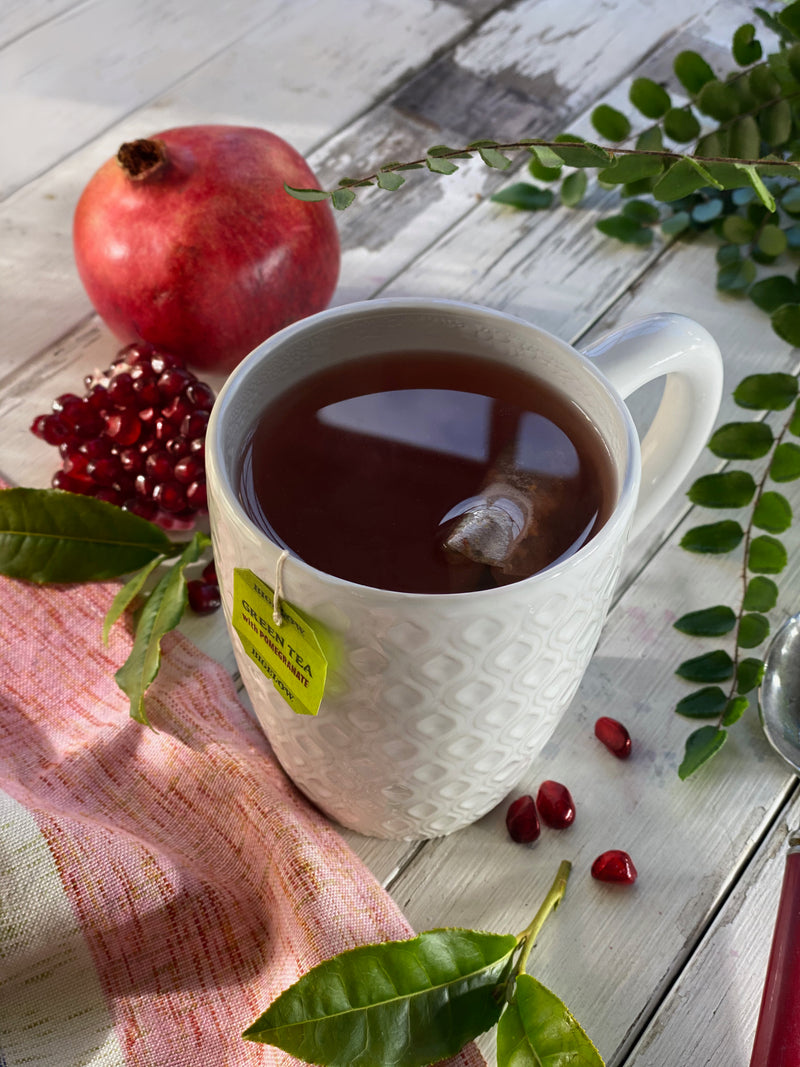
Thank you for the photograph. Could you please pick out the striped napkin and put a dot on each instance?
(158, 888)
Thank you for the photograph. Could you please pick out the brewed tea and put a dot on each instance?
(426, 472)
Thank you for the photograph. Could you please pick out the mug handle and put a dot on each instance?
(684, 351)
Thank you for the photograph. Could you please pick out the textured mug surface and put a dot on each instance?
(435, 704)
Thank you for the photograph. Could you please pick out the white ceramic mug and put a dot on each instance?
(436, 704)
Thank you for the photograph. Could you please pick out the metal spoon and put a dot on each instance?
(777, 1040)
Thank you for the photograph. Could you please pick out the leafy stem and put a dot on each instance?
(554, 897)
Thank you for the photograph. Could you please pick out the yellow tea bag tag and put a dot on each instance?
(289, 653)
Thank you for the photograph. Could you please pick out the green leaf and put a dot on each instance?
(785, 466)
(547, 160)
(771, 293)
(773, 513)
(708, 622)
(310, 195)
(573, 189)
(727, 254)
(580, 153)
(492, 158)
(741, 440)
(709, 667)
(610, 123)
(790, 18)
(761, 594)
(738, 230)
(772, 240)
(757, 182)
(786, 323)
(746, 48)
(734, 709)
(625, 229)
(718, 100)
(649, 97)
(749, 674)
(542, 173)
(794, 423)
(745, 140)
(737, 277)
(440, 166)
(127, 594)
(692, 71)
(537, 1028)
(764, 83)
(775, 123)
(706, 703)
(790, 201)
(767, 555)
(641, 211)
(675, 224)
(161, 613)
(631, 168)
(700, 747)
(47, 535)
(714, 538)
(650, 140)
(681, 124)
(726, 489)
(685, 176)
(766, 392)
(708, 210)
(389, 179)
(403, 1003)
(525, 196)
(438, 150)
(342, 198)
(753, 629)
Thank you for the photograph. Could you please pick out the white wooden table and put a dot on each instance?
(670, 971)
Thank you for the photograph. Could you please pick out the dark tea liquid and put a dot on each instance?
(363, 469)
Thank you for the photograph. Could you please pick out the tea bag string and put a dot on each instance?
(277, 614)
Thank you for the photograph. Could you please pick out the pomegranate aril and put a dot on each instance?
(196, 495)
(144, 486)
(131, 460)
(194, 424)
(522, 821)
(614, 736)
(209, 572)
(64, 400)
(555, 805)
(159, 466)
(204, 597)
(170, 496)
(146, 509)
(614, 866)
(198, 446)
(173, 381)
(124, 428)
(177, 410)
(162, 361)
(177, 447)
(105, 470)
(61, 480)
(200, 395)
(146, 391)
(120, 390)
(76, 466)
(110, 494)
(188, 469)
(163, 429)
(55, 430)
(38, 425)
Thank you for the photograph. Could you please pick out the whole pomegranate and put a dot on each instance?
(188, 240)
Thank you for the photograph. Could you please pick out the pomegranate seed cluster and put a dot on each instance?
(136, 438)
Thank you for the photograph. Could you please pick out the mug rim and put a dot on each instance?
(612, 528)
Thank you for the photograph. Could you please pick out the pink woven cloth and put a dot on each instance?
(158, 888)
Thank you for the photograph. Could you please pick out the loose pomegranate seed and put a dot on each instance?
(614, 866)
(522, 821)
(204, 597)
(555, 805)
(614, 736)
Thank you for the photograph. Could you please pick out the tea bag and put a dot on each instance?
(506, 527)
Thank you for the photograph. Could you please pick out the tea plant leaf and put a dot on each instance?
(766, 392)
(48, 535)
(708, 622)
(692, 71)
(749, 674)
(767, 555)
(610, 123)
(726, 489)
(537, 1028)
(126, 596)
(573, 189)
(785, 466)
(161, 613)
(786, 323)
(624, 229)
(700, 747)
(525, 196)
(710, 667)
(741, 440)
(399, 1003)
(649, 97)
(715, 537)
(734, 709)
(771, 293)
(753, 629)
(706, 703)
(772, 513)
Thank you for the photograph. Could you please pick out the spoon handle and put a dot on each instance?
(777, 1040)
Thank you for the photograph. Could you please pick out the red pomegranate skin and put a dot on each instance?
(207, 255)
